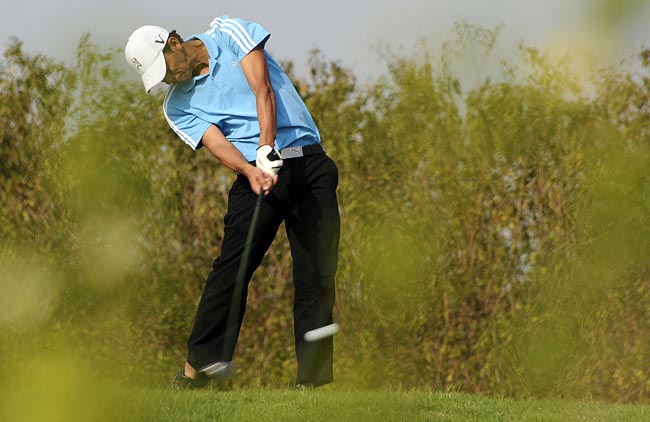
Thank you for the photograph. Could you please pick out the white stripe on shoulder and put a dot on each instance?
(216, 22)
(236, 39)
(184, 136)
(237, 25)
(235, 30)
(214, 25)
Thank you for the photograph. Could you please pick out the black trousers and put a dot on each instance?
(305, 199)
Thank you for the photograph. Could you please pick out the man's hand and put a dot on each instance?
(259, 180)
(268, 160)
(230, 157)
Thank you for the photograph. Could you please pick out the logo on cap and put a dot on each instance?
(136, 62)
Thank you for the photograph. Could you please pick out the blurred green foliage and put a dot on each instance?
(495, 236)
(613, 11)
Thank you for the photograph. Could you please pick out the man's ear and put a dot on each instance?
(173, 43)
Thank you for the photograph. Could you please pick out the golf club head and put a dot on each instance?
(322, 332)
(220, 370)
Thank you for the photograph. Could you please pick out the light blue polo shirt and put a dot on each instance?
(224, 98)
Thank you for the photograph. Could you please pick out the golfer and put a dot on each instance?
(227, 94)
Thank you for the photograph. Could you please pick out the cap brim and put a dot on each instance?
(156, 72)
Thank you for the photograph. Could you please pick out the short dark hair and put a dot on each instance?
(172, 34)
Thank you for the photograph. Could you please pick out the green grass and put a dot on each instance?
(69, 397)
(337, 405)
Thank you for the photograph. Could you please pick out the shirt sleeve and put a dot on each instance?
(187, 126)
(239, 35)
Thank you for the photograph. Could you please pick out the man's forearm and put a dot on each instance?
(224, 151)
(230, 157)
(267, 115)
(256, 70)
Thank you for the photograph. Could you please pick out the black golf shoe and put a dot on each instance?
(183, 382)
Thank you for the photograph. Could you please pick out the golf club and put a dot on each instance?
(222, 369)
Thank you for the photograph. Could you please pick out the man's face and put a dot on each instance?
(178, 65)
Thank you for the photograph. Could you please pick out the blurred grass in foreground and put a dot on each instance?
(52, 386)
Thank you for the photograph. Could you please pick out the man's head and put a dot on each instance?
(158, 56)
(144, 52)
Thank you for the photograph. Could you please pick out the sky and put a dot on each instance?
(347, 31)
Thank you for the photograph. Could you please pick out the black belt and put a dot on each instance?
(303, 151)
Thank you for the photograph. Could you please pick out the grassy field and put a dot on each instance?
(69, 397)
(337, 405)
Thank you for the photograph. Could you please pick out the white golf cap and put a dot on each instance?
(144, 52)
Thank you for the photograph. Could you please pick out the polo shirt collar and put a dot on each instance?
(213, 53)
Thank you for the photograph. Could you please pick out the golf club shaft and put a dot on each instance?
(237, 294)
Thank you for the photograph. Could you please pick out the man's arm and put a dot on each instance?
(230, 157)
(257, 74)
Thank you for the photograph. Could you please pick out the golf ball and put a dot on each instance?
(322, 332)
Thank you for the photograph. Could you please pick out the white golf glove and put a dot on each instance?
(268, 160)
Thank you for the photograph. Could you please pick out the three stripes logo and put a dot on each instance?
(235, 30)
